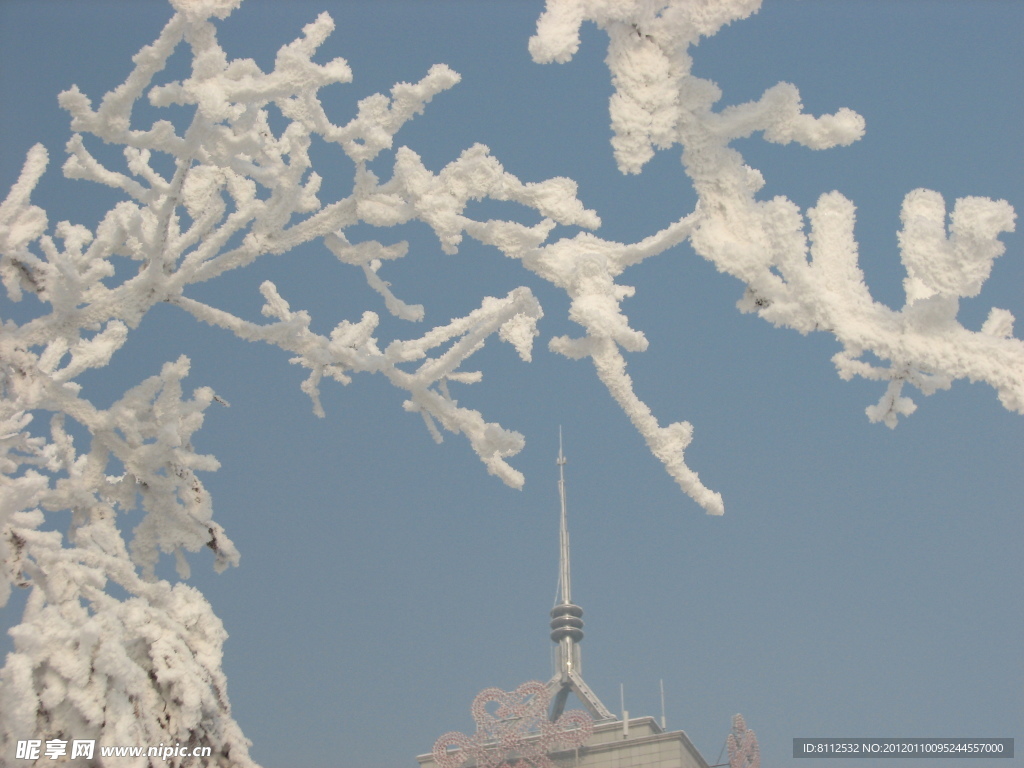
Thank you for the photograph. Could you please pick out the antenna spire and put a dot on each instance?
(567, 625)
(565, 579)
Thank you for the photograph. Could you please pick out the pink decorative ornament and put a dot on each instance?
(513, 728)
(743, 749)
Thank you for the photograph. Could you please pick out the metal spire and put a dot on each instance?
(567, 626)
(564, 577)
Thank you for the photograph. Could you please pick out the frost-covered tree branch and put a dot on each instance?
(800, 272)
(236, 181)
(237, 189)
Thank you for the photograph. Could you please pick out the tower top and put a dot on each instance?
(567, 625)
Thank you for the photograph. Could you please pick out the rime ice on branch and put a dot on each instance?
(146, 669)
(799, 273)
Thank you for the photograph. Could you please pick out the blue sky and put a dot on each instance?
(863, 582)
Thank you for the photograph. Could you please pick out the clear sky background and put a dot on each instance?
(863, 582)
